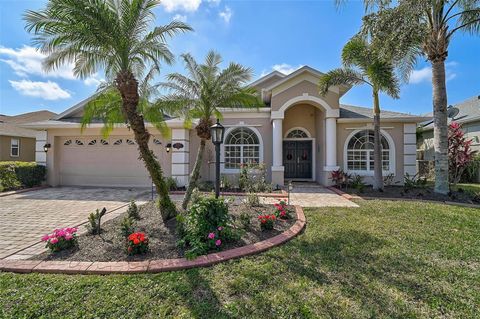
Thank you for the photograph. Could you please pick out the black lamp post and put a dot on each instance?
(217, 131)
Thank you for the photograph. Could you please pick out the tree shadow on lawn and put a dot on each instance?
(367, 271)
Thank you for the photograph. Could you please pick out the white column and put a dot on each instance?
(277, 136)
(331, 144)
(40, 141)
(277, 149)
(409, 149)
(180, 156)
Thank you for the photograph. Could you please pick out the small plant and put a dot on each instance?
(95, 221)
(225, 183)
(413, 181)
(127, 226)
(460, 153)
(137, 243)
(253, 200)
(61, 239)
(389, 180)
(171, 183)
(357, 183)
(245, 220)
(132, 210)
(267, 221)
(281, 210)
(206, 186)
(196, 195)
(339, 178)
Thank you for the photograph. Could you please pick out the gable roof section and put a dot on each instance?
(267, 77)
(74, 109)
(351, 113)
(11, 125)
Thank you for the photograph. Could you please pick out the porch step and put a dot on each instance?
(306, 185)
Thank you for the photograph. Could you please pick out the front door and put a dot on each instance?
(297, 159)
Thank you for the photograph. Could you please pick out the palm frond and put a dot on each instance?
(340, 77)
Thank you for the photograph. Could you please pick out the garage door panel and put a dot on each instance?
(100, 164)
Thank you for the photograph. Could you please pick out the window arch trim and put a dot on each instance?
(222, 148)
(297, 128)
(392, 150)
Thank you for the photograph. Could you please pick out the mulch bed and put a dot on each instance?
(110, 244)
(459, 196)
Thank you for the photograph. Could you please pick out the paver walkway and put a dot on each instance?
(314, 195)
(26, 217)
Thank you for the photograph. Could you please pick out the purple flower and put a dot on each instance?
(220, 228)
(218, 242)
(211, 235)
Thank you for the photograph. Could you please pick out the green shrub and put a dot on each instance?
(245, 220)
(206, 186)
(14, 175)
(132, 210)
(95, 220)
(253, 200)
(357, 183)
(127, 226)
(413, 181)
(171, 183)
(253, 179)
(205, 226)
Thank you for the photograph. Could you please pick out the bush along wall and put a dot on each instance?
(15, 175)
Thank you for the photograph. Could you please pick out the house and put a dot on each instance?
(18, 143)
(298, 134)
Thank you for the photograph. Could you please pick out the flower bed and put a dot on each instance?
(164, 238)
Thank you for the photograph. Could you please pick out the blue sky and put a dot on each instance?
(264, 35)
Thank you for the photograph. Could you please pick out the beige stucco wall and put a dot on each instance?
(27, 149)
(395, 130)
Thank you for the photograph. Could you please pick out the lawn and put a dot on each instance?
(384, 259)
(472, 188)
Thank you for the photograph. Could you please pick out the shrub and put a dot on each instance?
(282, 211)
(127, 226)
(460, 153)
(61, 239)
(244, 220)
(413, 181)
(137, 243)
(339, 178)
(253, 200)
(225, 182)
(267, 221)
(95, 220)
(14, 175)
(206, 186)
(132, 210)
(253, 178)
(205, 217)
(196, 195)
(357, 183)
(472, 171)
(171, 183)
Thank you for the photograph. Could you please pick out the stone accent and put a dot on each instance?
(40, 155)
(153, 266)
(409, 149)
(181, 156)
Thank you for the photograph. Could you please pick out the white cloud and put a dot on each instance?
(45, 90)
(214, 2)
(183, 5)
(28, 61)
(226, 14)
(283, 68)
(93, 81)
(179, 17)
(425, 74)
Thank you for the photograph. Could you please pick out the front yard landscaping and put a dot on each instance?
(385, 259)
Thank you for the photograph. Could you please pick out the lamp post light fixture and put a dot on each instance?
(289, 188)
(217, 132)
(46, 147)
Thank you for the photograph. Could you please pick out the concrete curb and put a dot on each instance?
(152, 266)
(24, 190)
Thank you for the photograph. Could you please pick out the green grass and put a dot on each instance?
(472, 188)
(382, 260)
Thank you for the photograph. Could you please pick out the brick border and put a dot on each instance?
(23, 190)
(274, 195)
(152, 266)
(342, 193)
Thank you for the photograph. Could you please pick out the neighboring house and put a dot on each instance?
(299, 135)
(468, 116)
(18, 143)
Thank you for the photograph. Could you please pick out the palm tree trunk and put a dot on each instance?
(128, 87)
(195, 174)
(440, 126)
(377, 147)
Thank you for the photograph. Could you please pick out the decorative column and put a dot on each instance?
(330, 144)
(40, 141)
(277, 151)
(180, 155)
(409, 149)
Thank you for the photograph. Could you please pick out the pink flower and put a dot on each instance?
(218, 242)
(68, 236)
(211, 235)
(45, 237)
(54, 240)
(220, 228)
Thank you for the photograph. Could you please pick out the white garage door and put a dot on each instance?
(98, 161)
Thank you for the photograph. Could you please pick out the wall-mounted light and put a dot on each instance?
(168, 147)
(46, 147)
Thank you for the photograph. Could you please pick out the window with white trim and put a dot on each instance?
(297, 133)
(360, 152)
(14, 147)
(242, 146)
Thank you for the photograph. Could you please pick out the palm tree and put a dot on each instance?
(361, 65)
(201, 94)
(114, 36)
(426, 27)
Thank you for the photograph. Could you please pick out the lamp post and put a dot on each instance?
(217, 131)
(46, 147)
(289, 188)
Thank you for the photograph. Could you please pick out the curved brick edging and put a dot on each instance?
(152, 266)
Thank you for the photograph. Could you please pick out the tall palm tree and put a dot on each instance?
(201, 94)
(425, 26)
(361, 65)
(114, 36)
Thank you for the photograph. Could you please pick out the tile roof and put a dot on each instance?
(358, 112)
(469, 110)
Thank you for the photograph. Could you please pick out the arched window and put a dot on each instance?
(242, 146)
(360, 152)
(297, 133)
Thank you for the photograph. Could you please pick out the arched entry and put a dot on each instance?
(298, 154)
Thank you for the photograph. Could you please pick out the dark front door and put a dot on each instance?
(297, 159)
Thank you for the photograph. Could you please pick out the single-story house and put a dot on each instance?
(298, 134)
(18, 143)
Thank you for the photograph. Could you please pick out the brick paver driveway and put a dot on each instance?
(26, 217)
